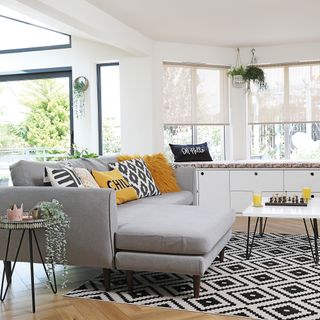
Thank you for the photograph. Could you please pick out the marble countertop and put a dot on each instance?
(247, 164)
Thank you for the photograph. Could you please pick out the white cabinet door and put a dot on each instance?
(240, 200)
(256, 180)
(213, 189)
(295, 180)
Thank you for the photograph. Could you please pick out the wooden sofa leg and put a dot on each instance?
(7, 270)
(130, 280)
(106, 278)
(221, 255)
(196, 285)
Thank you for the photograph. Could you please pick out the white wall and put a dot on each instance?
(136, 105)
(82, 57)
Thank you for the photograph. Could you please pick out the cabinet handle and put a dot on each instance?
(256, 173)
(312, 196)
(312, 173)
(202, 173)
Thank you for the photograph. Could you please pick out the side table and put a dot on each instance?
(26, 226)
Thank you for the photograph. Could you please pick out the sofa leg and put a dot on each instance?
(7, 270)
(106, 278)
(221, 255)
(196, 285)
(130, 280)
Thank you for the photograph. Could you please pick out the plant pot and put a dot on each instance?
(238, 81)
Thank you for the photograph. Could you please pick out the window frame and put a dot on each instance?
(99, 101)
(37, 74)
(226, 126)
(40, 48)
(286, 67)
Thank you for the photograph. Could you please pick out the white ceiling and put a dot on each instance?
(230, 23)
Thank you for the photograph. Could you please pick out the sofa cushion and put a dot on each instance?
(138, 175)
(171, 229)
(181, 197)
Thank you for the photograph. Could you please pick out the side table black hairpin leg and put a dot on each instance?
(31, 236)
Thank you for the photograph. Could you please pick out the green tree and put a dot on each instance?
(47, 121)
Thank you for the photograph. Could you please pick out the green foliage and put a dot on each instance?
(82, 153)
(256, 75)
(47, 121)
(56, 227)
(240, 71)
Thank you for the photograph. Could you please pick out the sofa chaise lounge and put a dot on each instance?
(160, 234)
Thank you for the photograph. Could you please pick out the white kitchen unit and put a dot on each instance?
(295, 180)
(220, 188)
(213, 189)
(244, 182)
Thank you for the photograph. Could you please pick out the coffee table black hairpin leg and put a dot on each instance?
(250, 245)
(314, 226)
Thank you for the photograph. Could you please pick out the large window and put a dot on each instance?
(109, 108)
(35, 117)
(284, 120)
(25, 36)
(195, 101)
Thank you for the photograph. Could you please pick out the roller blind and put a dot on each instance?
(195, 95)
(293, 95)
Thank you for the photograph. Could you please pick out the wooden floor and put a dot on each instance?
(55, 307)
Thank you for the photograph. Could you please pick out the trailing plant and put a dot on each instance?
(57, 223)
(255, 75)
(82, 153)
(80, 85)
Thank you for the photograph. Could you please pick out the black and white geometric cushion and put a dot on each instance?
(64, 177)
(138, 175)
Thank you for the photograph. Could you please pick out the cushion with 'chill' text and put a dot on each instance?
(115, 180)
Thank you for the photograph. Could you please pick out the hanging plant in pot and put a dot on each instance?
(80, 86)
(237, 73)
(254, 74)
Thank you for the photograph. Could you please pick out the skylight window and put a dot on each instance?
(25, 36)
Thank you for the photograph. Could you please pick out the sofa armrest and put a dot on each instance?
(186, 177)
(93, 214)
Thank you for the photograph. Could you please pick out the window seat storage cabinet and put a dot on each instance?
(220, 188)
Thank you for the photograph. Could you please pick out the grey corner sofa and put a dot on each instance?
(159, 234)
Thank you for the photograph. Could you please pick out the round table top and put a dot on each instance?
(22, 225)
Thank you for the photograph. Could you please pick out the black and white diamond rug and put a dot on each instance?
(280, 281)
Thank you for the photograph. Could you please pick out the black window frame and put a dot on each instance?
(36, 74)
(99, 99)
(40, 48)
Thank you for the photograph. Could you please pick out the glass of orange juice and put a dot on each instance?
(306, 191)
(257, 199)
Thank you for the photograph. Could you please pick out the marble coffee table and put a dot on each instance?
(311, 212)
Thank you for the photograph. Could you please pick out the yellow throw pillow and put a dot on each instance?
(161, 171)
(115, 180)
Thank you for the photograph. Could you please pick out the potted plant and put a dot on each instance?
(57, 223)
(254, 74)
(80, 86)
(237, 74)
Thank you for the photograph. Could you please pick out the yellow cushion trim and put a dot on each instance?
(161, 171)
(115, 180)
